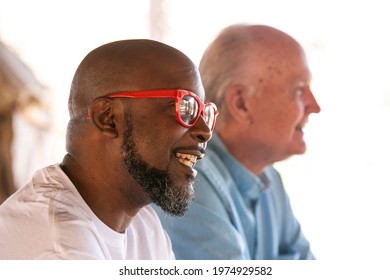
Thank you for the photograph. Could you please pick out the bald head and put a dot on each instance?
(228, 57)
(126, 66)
(124, 153)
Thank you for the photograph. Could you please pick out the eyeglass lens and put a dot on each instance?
(189, 110)
(209, 115)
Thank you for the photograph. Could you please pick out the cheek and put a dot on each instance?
(292, 112)
(155, 141)
(299, 111)
(281, 122)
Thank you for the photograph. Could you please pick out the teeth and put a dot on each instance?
(186, 159)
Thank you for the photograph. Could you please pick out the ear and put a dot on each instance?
(236, 102)
(103, 118)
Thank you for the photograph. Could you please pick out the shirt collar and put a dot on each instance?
(249, 185)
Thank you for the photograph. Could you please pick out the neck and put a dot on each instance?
(112, 201)
(250, 159)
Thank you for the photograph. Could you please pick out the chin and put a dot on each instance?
(298, 149)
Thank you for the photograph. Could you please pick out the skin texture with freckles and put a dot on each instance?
(265, 96)
(123, 156)
(259, 79)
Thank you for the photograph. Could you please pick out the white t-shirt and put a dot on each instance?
(48, 219)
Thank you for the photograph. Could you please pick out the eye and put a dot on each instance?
(300, 88)
(192, 108)
(188, 109)
(299, 92)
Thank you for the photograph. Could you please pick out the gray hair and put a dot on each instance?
(223, 62)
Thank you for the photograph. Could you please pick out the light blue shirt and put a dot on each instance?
(235, 214)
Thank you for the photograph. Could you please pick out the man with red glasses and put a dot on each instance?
(259, 78)
(138, 125)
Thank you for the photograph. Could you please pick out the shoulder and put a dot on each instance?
(213, 184)
(213, 179)
(48, 189)
(44, 210)
(212, 167)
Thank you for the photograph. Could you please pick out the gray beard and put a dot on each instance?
(157, 184)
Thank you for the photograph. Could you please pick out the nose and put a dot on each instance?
(201, 132)
(312, 105)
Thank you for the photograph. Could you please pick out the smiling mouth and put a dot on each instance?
(187, 159)
(300, 127)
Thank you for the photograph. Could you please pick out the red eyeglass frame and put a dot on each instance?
(177, 94)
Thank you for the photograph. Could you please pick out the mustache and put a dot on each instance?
(201, 148)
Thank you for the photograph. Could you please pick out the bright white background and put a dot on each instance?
(339, 189)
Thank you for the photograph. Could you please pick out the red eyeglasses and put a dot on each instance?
(188, 105)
